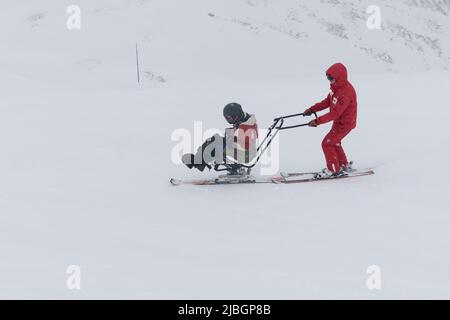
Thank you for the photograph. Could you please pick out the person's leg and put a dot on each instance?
(329, 151)
(342, 157)
(206, 154)
(213, 151)
(343, 162)
(332, 148)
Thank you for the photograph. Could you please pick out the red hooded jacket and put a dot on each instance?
(342, 100)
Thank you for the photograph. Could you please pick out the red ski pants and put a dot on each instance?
(332, 148)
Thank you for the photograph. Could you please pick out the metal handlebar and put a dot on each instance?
(265, 143)
(291, 116)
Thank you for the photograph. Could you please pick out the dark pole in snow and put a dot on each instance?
(137, 64)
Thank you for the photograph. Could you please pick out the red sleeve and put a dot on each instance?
(336, 111)
(325, 103)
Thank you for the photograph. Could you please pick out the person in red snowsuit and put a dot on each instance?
(342, 101)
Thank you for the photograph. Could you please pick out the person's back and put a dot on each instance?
(241, 140)
(349, 116)
(344, 93)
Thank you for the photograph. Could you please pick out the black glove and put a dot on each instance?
(307, 112)
(313, 123)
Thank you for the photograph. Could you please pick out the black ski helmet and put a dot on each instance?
(233, 113)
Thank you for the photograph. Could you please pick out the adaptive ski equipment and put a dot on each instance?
(239, 173)
(274, 129)
(283, 178)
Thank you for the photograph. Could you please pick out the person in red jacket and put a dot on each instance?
(342, 102)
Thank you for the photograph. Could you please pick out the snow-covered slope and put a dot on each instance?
(85, 152)
(209, 39)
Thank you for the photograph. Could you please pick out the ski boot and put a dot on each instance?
(324, 174)
(202, 166)
(327, 174)
(348, 168)
(189, 160)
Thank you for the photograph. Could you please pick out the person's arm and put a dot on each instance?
(341, 104)
(325, 103)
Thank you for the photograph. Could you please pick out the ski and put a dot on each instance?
(296, 174)
(284, 178)
(309, 177)
(226, 180)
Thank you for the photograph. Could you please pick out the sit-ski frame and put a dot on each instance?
(238, 169)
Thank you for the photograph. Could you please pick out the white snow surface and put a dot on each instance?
(85, 152)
